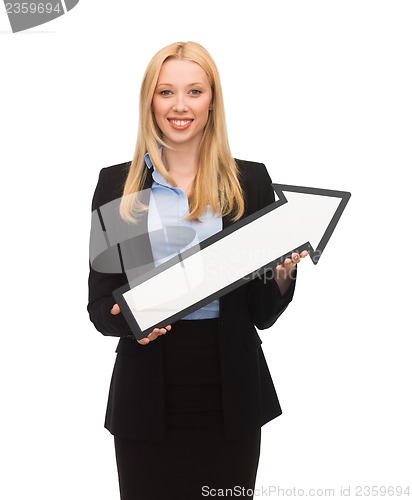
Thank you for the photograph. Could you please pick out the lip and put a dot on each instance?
(180, 123)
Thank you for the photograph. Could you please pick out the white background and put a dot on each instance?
(320, 91)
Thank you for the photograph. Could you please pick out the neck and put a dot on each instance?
(181, 160)
(181, 163)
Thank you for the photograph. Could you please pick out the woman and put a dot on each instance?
(186, 403)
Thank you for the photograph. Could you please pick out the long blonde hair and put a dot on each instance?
(216, 181)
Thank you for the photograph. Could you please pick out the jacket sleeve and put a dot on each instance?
(101, 285)
(266, 303)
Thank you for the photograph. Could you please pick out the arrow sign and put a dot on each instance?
(301, 218)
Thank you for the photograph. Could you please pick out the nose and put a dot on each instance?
(180, 105)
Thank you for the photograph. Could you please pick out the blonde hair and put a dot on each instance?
(216, 181)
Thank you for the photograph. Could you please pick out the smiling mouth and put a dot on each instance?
(180, 124)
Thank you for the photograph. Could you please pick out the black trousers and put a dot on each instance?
(195, 460)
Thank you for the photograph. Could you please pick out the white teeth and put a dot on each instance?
(180, 123)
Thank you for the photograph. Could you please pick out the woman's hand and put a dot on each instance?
(152, 335)
(283, 272)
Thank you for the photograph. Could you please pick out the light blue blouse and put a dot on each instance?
(169, 234)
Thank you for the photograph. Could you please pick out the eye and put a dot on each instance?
(165, 92)
(195, 92)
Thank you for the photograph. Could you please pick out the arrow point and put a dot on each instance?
(313, 212)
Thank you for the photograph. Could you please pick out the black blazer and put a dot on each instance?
(135, 407)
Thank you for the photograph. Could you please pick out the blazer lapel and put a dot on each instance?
(227, 222)
(146, 248)
(137, 252)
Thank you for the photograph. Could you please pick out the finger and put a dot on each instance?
(284, 266)
(148, 338)
(115, 309)
(162, 331)
(304, 254)
(153, 334)
(156, 332)
(295, 258)
(290, 263)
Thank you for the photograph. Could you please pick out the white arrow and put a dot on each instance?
(302, 218)
(308, 217)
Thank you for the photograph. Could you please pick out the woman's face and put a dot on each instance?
(181, 102)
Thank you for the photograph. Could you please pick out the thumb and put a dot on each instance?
(115, 309)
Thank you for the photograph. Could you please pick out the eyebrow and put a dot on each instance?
(171, 84)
